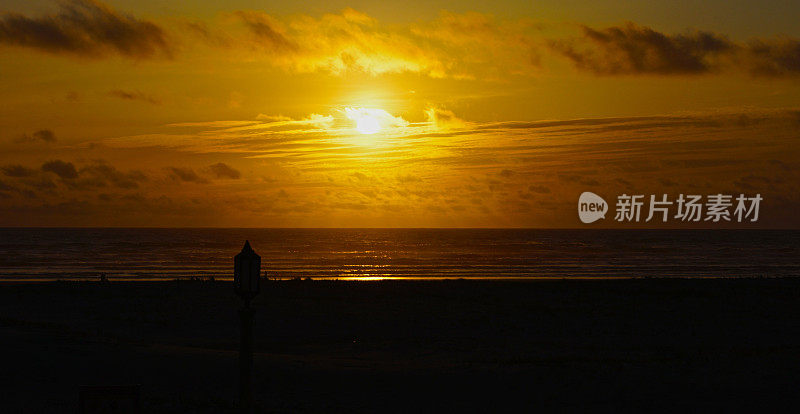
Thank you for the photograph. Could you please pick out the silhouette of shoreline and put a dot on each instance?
(402, 346)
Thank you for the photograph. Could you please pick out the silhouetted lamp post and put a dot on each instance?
(246, 278)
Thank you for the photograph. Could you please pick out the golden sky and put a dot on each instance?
(365, 114)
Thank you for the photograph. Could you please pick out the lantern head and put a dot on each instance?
(247, 272)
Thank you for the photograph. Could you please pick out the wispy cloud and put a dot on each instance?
(517, 170)
(478, 173)
(16, 170)
(134, 96)
(222, 170)
(42, 135)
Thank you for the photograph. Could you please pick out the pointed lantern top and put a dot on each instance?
(247, 251)
(247, 248)
(247, 272)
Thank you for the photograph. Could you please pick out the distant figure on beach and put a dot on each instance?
(103, 278)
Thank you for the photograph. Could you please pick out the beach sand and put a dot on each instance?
(408, 346)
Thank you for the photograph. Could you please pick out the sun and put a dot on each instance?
(367, 125)
(368, 121)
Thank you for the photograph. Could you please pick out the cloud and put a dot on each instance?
(134, 96)
(267, 31)
(5, 187)
(443, 118)
(502, 46)
(631, 49)
(266, 123)
(773, 57)
(186, 175)
(41, 183)
(42, 135)
(103, 172)
(462, 46)
(408, 178)
(86, 28)
(204, 32)
(488, 174)
(17, 171)
(222, 170)
(480, 46)
(453, 45)
(381, 118)
(97, 174)
(60, 168)
(335, 43)
(634, 49)
(273, 118)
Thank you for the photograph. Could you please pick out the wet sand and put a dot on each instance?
(404, 346)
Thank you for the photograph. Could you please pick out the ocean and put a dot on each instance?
(366, 254)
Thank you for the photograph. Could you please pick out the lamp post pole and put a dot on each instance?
(246, 358)
(246, 279)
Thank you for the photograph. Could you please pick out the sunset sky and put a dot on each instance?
(415, 114)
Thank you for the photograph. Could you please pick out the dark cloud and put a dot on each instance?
(222, 170)
(86, 28)
(634, 49)
(41, 183)
(134, 96)
(60, 168)
(266, 31)
(43, 135)
(33, 183)
(187, 175)
(208, 34)
(103, 172)
(773, 57)
(17, 171)
(98, 174)
(631, 49)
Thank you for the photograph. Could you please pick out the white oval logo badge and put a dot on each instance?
(591, 207)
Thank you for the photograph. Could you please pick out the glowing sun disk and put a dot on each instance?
(367, 125)
(368, 121)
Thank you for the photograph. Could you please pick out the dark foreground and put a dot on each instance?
(449, 346)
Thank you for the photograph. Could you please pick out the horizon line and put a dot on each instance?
(394, 228)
